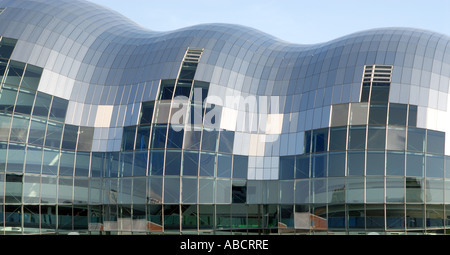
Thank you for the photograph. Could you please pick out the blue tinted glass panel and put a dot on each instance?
(375, 163)
(224, 163)
(357, 137)
(415, 163)
(7, 100)
(147, 112)
(395, 163)
(435, 142)
(97, 164)
(159, 136)
(34, 160)
(376, 138)
(320, 140)
(226, 141)
(207, 164)
(287, 167)
(190, 163)
(50, 162)
(31, 78)
(112, 164)
(156, 165)
(24, 103)
(435, 166)
(319, 165)
(200, 91)
(240, 166)
(6, 47)
(302, 167)
(192, 139)
(336, 164)
(53, 135)
(397, 114)
(175, 137)
(37, 132)
(83, 160)
(173, 163)
(128, 137)
(378, 114)
(140, 163)
(416, 139)
(355, 163)
(209, 140)
(126, 164)
(142, 137)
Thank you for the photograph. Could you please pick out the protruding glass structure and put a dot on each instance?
(110, 128)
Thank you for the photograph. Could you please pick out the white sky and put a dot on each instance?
(296, 21)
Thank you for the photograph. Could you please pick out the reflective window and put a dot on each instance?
(397, 114)
(183, 89)
(128, 138)
(226, 141)
(166, 89)
(336, 164)
(5, 126)
(416, 139)
(320, 140)
(50, 162)
(355, 162)
(6, 47)
(414, 190)
(357, 137)
(19, 129)
(24, 103)
(319, 165)
(200, 91)
(338, 138)
(412, 116)
(58, 110)
(82, 163)
(53, 135)
(435, 142)
(97, 164)
(240, 166)
(14, 74)
(7, 100)
(175, 137)
(287, 167)
(207, 164)
(126, 164)
(395, 163)
(171, 196)
(189, 194)
(42, 105)
(158, 136)
(34, 160)
(16, 155)
(380, 92)
(147, 112)
(192, 139)
(209, 140)
(435, 166)
(188, 70)
(173, 163)
(302, 167)
(375, 163)
(70, 137)
(375, 190)
(377, 114)
(156, 165)
(31, 78)
(190, 163)
(85, 139)
(224, 163)
(140, 163)
(66, 164)
(339, 115)
(376, 138)
(396, 138)
(358, 114)
(395, 189)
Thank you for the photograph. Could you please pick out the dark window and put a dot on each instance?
(183, 90)
(416, 139)
(320, 140)
(97, 164)
(190, 163)
(355, 163)
(188, 70)
(435, 142)
(380, 92)
(53, 136)
(209, 140)
(200, 91)
(395, 163)
(319, 165)
(302, 167)
(239, 192)
(412, 116)
(224, 165)
(159, 136)
(357, 137)
(375, 163)
(226, 141)
(365, 92)
(70, 137)
(338, 138)
(376, 138)
(31, 78)
(397, 114)
(240, 166)
(175, 137)
(14, 74)
(156, 165)
(207, 164)
(166, 89)
(6, 47)
(173, 163)
(140, 163)
(7, 100)
(42, 105)
(58, 110)
(336, 164)
(147, 112)
(287, 167)
(128, 137)
(377, 114)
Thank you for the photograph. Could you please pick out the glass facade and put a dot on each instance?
(212, 129)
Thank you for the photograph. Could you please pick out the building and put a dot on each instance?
(110, 128)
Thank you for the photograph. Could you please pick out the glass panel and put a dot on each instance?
(70, 137)
(336, 164)
(192, 139)
(206, 217)
(7, 100)
(147, 112)
(207, 164)
(339, 115)
(159, 136)
(434, 191)
(172, 190)
(414, 216)
(375, 190)
(175, 137)
(5, 127)
(336, 190)
(166, 89)
(377, 114)
(142, 137)
(302, 166)
(189, 190)
(376, 138)
(97, 164)
(156, 165)
(37, 132)
(42, 105)
(395, 163)
(6, 47)
(34, 160)
(224, 163)
(395, 190)
(128, 137)
(355, 163)
(58, 110)
(397, 114)
(319, 165)
(416, 139)
(395, 216)
(3, 150)
(188, 70)
(66, 165)
(173, 163)
(239, 191)
(375, 163)
(190, 163)
(320, 140)
(357, 137)
(24, 103)
(85, 138)
(358, 114)
(380, 92)
(412, 116)
(338, 138)
(223, 191)
(189, 217)
(31, 78)
(140, 163)
(414, 190)
(13, 188)
(112, 164)
(83, 160)
(287, 167)
(226, 141)
(209, 140)
(53, 136)
(435, 142)
(240, 166)
(200, 91)
(14, 74)
(365, 92)
(415, 163)
(206, 192)
(50, 162)
(435, 216)
(19, 129)
(356, 216)
(16, 155)
(183, 89)
(435, 166)
(396, 138)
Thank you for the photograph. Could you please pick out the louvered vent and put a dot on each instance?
(377, 73)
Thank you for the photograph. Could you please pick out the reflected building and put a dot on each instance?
(110, 128)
